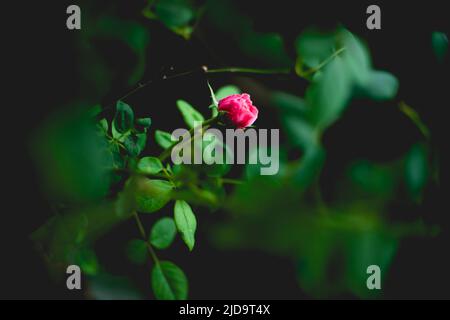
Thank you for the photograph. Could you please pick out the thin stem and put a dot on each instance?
(155, 175)
(284, 71)
(319, 199)
(145, 84)
(323, 63)
(231, 181)
(169, 176)
(200, 14)
(206, 70)
(144, 237)
(248, 70)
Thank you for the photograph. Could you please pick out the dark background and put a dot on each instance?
(42, 75)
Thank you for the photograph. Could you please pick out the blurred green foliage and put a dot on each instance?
(186, 222)
(439, 42)
(136, 251)
(333, 86)
(177, 15)
(169, 282)
(97, 67)
(266, 49)
(105, 286)
(332, 243)
(73, 158)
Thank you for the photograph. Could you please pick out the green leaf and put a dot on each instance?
(144, 122)
(94, 110)
(227, 91)
(329, 93)
(103, 125)
(381, 86)
(163, 233)
(416, 170)
(164, 139)
(117, 135)
(174, 13)
(137, 251)
(87, 260)
(149, 165)
(134, 36)
(124, 119)
(117, 159)
(372, 178)
(105, 286)
(186, 222)
(313, 47)
(309, 166)
(213, 96)
(169, 282)
(215, 104)
(300, 132)
(151, 195)
(289, 104)
(141, 141)
(184, 31)
(439, 41)
(135, 143)
(190, 115)
(355, 56)
(131, 145)
(63, 233)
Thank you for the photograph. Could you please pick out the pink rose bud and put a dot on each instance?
(239, 110)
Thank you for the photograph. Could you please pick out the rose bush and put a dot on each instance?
(110, 165)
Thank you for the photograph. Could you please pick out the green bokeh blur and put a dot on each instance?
(330, 233)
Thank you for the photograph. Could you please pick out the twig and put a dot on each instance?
(144, 237)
